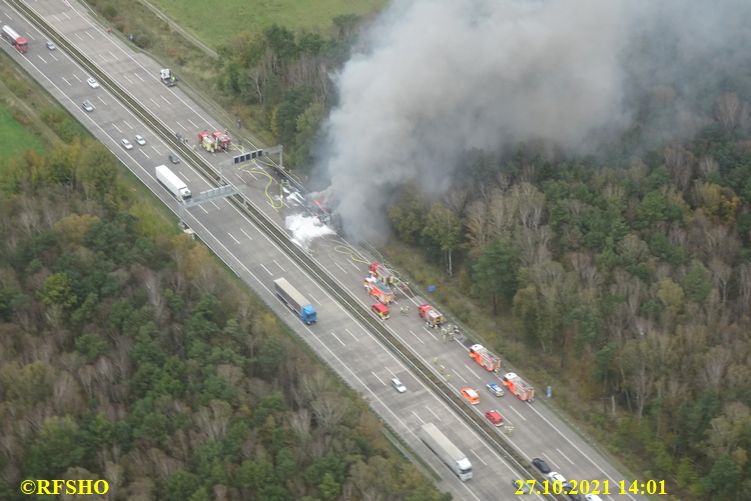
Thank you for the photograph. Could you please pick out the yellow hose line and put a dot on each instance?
(353, 254)
(274, 204)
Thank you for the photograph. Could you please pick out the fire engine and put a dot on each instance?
(432, 317)
(214, 141)
(382, 273)
(222, 140)
(484, 358)
(519, 387)
(207, 141)
(381, 310)
(379, 290)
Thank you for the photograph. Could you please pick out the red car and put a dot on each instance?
(494, 417)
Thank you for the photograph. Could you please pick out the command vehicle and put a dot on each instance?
(495, 389)
(470, 396)
(494, 417)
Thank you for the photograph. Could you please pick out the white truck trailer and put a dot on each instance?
(173, 183)
(446, 451)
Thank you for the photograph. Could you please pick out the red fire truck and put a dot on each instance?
(484, 358)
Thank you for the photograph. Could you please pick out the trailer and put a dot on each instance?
(484, 358)
(16, 40)
(446, 451)
(519, 387)
(295, 301)
(174, 184)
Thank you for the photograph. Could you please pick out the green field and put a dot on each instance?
(216, 22)
(14, 137)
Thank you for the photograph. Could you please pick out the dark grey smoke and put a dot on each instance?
(436, 78)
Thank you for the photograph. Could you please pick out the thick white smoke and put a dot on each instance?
(437, 78)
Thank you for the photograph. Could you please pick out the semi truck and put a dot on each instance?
(17, 41)
(484, 358)
(295, 301)
(174, 184)
(446, 451)
(519, 387)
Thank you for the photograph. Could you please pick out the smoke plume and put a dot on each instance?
(434, 79)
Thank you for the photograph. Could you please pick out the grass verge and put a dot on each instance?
(216, 23)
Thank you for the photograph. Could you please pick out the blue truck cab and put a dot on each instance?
(308, 314)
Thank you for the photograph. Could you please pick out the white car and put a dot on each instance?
(87, 106)
(51, 46)
(126, 144)
(398, 385)
(592, 497)
(92, 82)
(140, 140)
(555, 476)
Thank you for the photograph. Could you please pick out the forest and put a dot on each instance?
(628, 284)
(127, 353)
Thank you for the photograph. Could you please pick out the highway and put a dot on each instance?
(350, 349)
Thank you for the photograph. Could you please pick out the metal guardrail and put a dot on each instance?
(342, 295)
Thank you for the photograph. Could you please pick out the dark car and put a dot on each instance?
(520, 484)
(573, 497)
(541, 465)
(174, 159)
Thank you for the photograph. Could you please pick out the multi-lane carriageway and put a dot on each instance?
(345, 344)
